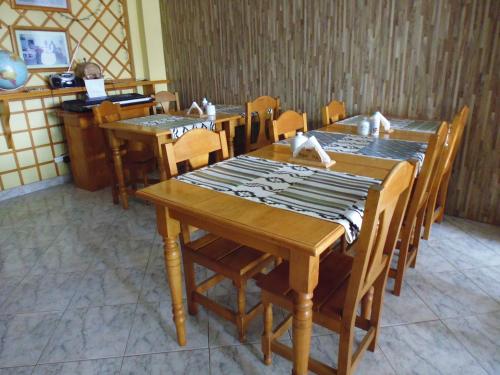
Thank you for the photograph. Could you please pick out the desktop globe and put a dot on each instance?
(13, 71)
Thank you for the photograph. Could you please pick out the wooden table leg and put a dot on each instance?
(169, 229)
(118, 167)
(303, 280)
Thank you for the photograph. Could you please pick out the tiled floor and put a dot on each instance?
(83, 291)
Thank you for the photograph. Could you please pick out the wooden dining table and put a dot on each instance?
(298, 238)
(156, 136)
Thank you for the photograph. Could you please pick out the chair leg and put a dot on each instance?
(345, 351)
(189, 277)
(240, 319)
(441, 199)
(378, 298)
(267, 336)
(401, 267)
(366, 304)
(416, 238)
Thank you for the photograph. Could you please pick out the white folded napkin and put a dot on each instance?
(196, 107)
(312, 143)
(379, 118)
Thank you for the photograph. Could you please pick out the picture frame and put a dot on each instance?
(43, 5)
(42, 48)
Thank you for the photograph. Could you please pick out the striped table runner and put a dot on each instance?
(178, 125)
(422, 126)
(324, 194)
(395, 149)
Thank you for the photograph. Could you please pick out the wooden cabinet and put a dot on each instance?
(87, 146)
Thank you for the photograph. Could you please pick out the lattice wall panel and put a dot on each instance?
(37, 131)
(103, 37)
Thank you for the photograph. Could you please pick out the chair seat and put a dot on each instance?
(329, 295)
(226, 257)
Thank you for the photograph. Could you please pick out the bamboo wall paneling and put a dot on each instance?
(37, 131)
(419, 58)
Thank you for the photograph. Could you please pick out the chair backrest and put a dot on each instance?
(427, 173)
(383, 216)
(288, 124)
(449, 151)
(455, 137)
(195, 147)
(165, 98)
(264, 109)
(106, 112)
(332, 112)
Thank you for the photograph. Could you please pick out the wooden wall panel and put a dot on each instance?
(421, 58)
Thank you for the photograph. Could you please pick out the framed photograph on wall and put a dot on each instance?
(43, 48)
(45, 5)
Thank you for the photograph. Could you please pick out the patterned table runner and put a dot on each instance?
(423, 126)
(178, 125)
(369, 146)
(333, 196)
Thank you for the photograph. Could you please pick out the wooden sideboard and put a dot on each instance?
(87, 146)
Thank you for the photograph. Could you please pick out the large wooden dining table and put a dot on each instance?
(298, 238)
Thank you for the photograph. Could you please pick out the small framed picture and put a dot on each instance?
(43, 48)
(44, 5)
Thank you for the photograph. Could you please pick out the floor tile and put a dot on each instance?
(109, 287)
(407, 308)
(325, 349)
(465, 252)
(486, 233)
(189, 362)
(7, 285)
(154, 330)
(33, 237)
(23, 337)
(91, 333)
(430, 259)
(107, 366)
(39, 293)
(118, 251)
(18, 261)
(451, 294)
(24, 370)
(481, 336)
(245, 360)
(426, 348)
(487, 278)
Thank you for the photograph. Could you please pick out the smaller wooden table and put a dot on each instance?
(406, 129)
(156, 136)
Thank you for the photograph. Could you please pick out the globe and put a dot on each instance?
(13, 71)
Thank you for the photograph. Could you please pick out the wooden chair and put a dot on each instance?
(412, 224)
(344, 280)
(165, 98)
(263, 109)
(439, 189)
(137, 159)
(227, 258)
(288, 124)
(332, 112)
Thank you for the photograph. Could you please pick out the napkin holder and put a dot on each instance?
(310, 156)
(195, 111)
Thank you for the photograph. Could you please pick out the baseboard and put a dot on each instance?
(35, 186)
